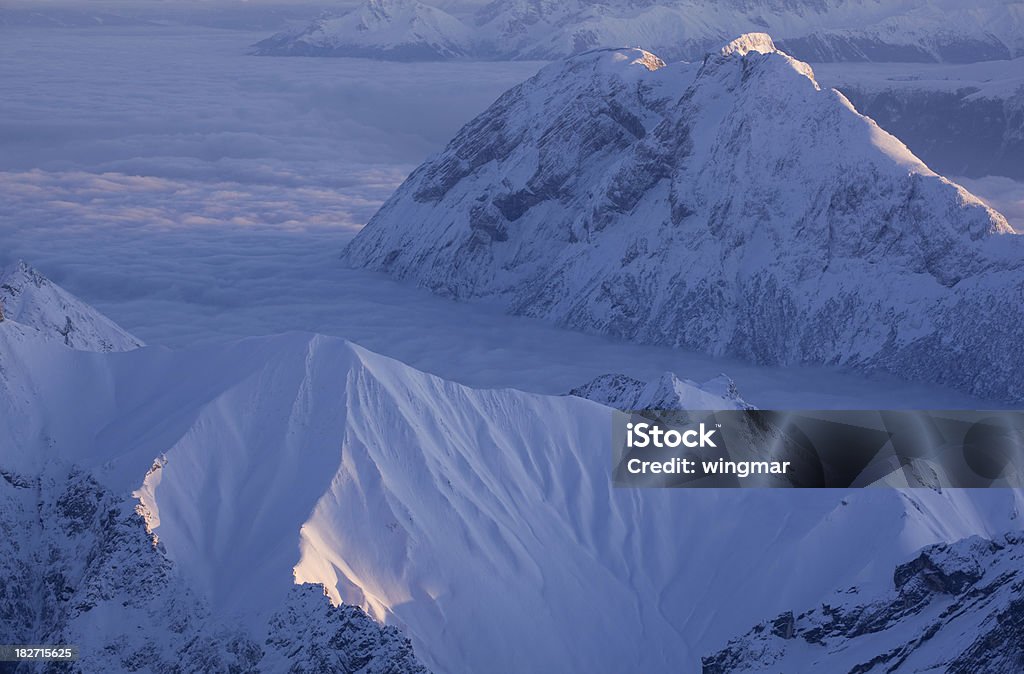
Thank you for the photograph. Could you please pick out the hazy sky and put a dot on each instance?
(149, 7)
(132, 6)
(151, 4)
(138, 4)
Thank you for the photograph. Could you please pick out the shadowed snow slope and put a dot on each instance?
(475, 520)
(731, 206)
(29, 298)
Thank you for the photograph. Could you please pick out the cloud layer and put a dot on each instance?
(194, 193)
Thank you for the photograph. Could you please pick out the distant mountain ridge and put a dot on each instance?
(668, 392)
(403, 30)
(730, 206)
(78, 566)
(814, 30)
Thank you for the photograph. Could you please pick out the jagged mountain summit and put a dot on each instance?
(29, 298)
(945, 610)
(731, 206)
(193, 519)
(668, 392)
(403, 30)
(815, 30)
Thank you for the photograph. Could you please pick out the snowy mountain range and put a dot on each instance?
(404, 30)
(164, 507)
(945, 611)
(815, 30)
(731, 206)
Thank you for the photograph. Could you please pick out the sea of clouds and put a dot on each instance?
(193, 192)
(164, 174)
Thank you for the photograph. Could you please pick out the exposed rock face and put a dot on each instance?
(79, 567)
(668, 392)
(730, 206)
(29, 298)
(309, 635)
(954, 608)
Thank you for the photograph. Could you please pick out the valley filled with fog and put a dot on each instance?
(195, 193)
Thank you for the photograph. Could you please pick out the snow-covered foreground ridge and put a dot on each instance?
(731, 206)
(475, 520)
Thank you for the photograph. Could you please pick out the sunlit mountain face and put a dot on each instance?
(215, 495)
(730, 205)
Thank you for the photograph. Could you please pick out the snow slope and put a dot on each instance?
(29, 298)
(731, 206)
(816, 30)
(474, 520)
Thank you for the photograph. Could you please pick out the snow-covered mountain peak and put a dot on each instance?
(29, 298)
(623, 62)
(732, 206)
(641, 57)
(750, 42)
(378, 13)
(754, 58)
(395, 29)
